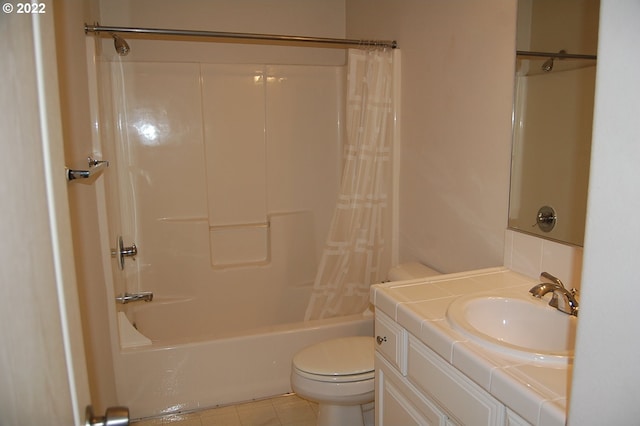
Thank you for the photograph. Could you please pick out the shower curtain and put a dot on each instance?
(355, 244)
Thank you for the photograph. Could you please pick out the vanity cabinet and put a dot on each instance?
(400, 403)
(415, 386)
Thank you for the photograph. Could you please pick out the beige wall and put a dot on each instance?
(40, 336)
(74, 97)
(457, 85)
(606, 371)
(323, 18)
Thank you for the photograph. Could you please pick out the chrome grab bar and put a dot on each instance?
(125, 298)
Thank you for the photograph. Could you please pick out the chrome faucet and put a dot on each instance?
(562, 299)
(147, 296)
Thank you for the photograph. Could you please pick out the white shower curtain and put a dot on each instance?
(355, 245)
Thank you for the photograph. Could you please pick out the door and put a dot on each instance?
(42, 362)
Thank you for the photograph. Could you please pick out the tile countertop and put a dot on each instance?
(538, 393)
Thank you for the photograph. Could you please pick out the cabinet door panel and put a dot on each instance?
(399, 403)
(397, 410)
(458, 395)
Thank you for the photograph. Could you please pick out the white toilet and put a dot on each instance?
(338, 374)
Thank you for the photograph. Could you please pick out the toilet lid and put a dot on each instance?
(337, 357)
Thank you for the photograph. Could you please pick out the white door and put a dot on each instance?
(42, 365)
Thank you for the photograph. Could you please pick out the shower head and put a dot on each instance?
(122, 47)
(547, 65)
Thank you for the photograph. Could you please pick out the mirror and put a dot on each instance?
(552, 117)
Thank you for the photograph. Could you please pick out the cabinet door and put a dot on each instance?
(450, 389)
(398, 403)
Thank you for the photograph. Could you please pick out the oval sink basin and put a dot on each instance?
(521, 327)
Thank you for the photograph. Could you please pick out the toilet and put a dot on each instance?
(338, 374)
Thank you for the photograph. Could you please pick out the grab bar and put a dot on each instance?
(96, 167)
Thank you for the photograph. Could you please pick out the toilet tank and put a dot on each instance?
(411, 271)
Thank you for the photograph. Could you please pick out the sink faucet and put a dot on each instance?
(562, 299)
(147, 296)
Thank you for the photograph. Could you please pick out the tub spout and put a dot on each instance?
(147, 296)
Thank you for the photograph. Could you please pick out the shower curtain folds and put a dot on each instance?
(355, 247)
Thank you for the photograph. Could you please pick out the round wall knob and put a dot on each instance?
(121, 252)
(546, 218)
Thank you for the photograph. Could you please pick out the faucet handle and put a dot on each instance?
(551, 278)
(569, 302)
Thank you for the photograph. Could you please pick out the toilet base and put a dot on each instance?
(340, 415)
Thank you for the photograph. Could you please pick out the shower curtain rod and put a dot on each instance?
(329, 42)
(555, 55)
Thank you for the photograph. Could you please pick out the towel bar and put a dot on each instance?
(96, 167)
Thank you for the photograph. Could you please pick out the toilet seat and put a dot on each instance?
(346, 359)
(345, 378)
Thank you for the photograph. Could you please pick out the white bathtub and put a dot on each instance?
(171, 375)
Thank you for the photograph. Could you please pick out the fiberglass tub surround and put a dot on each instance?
(217, 162)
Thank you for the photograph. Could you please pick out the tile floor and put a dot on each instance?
(286, 410)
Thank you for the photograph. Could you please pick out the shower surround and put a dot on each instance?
(225, 177)
(228, 177)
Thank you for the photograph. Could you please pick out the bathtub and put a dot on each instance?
(158, 374)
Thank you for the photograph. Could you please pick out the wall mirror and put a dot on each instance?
(552, 117)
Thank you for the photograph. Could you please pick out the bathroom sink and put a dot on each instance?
(517, 326)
